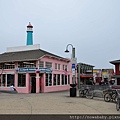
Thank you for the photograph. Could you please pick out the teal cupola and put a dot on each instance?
(29, 34)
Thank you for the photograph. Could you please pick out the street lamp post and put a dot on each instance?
(73, 60)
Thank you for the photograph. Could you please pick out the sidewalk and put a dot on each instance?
(53, 103)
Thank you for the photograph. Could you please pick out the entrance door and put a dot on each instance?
(33, 84)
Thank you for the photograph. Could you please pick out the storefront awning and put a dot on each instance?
(116, 76)
(86, 76)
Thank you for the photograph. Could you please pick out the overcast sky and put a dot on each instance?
(91, 26)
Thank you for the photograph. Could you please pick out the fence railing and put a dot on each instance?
(98, 90)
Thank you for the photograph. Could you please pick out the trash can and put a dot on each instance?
(73, 90)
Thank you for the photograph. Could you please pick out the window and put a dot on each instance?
(48, 65)
(68, 79)
(41, 65)
(10, 79)
(31, 64)
(46, 80)
(64, 79)
(57, 66)
(7, 66)
(21, 80)
(56, 79)
(63, 67)
(6, 80)
(49, 79)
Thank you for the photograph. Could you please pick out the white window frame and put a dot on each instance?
(63, 67)
(57, 66)
(48, 79)
(56, 79)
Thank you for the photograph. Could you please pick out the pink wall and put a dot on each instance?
(61, 71)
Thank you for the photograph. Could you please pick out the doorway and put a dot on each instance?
(33, 84)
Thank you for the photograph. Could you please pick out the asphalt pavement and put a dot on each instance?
(53, 103)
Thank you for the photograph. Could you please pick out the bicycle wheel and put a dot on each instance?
(81, 93)
(117, 105)
(89, 94)
(114, 97)
(107, 97)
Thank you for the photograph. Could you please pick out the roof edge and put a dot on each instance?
(23, 48)
(64, 59)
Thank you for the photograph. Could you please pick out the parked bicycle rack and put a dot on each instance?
(90, 91)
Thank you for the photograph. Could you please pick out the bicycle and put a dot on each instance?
(110, 95)
(90, 94)
(85, 91)
(82, 91)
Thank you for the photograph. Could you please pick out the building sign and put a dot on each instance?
(45, 70)
(73, 69)
(42, 70)
(73, 66)
(74, 63)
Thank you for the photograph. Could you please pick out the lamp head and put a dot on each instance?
(66, 50)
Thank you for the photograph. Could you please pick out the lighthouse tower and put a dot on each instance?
(29, 34)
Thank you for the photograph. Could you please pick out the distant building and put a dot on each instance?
(103, 75)
(107, 74)
(117, 71)
(84, 73)
(97, 75)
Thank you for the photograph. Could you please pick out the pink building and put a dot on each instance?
(33, 70)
